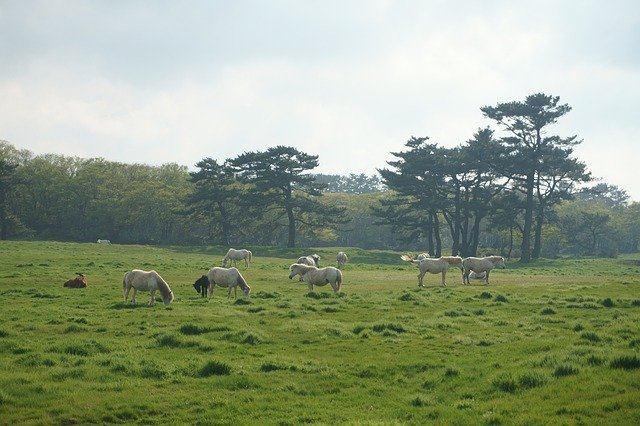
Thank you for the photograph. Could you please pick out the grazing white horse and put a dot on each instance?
(314, 276)
(477, 275)
(223, 277)
(234, 255)
(433, 266)
(481, 264)
(146, 281)
(342, 259)
(103, 241)
(311, 260)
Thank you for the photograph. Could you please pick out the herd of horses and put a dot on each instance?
(306, 267)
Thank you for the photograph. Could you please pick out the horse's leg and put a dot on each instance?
(126, 294)
(486, 277)
(152, 297)
(228, 292)
(210, 290)
(133, 296)
(443, 276)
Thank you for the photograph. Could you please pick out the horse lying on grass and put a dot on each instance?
(146, 281)
(434, 266)
(314, 276)
(479, 265)
(222, 277)
(78, 282)
(234, 255)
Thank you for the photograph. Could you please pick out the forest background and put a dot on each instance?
(522, 195)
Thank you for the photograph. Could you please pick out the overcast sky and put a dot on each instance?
(177, 81)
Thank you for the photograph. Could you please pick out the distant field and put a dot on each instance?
(554, 342)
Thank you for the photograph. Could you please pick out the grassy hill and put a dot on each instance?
(556, 341)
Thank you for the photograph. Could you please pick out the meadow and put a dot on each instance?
(553, 342)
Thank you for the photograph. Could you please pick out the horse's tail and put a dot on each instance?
(250, 255)
(339, 280)
(124, 284)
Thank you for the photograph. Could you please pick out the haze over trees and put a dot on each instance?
(515, 190)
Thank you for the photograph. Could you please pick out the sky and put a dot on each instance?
(156, 81)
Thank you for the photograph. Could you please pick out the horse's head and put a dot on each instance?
(293, 270)
(201, 283)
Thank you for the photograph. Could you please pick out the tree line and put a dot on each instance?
(521, 194)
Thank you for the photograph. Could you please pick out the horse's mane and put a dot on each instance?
(163, 287)
(242, 282)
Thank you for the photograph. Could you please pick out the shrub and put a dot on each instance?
(500, 298)
(214, 368)
(168, 341)
(485, 295)
(547, 311)
(607, 302)
(626, 362)
(531, 380)
(565, 370)
(505, 383)
(192, 329)
(590, 336)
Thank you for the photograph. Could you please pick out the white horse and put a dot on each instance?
(433, 266)
(311, 260)
(342, 259)
(223, 277)
(146, 281)
(234, 255)
(314, 276)
(481, 264)
(103, 241)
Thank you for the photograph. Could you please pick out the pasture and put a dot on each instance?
(556, 342)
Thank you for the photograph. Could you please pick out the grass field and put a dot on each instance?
(555, 342)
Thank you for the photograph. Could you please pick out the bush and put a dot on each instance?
(626, 362)
(607, 302)
(531, 380)
(565, 370)
(214, 368)
(505, 383)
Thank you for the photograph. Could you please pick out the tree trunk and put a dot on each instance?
(525, 248)
(436, 228)
(537, 240)
(292, 228)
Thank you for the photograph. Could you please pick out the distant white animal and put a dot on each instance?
(422, 256)
(477, 275)
(342, 259)
(103, 241)
(222, 277)
(234, 255)
(311, 260)
(433, 266)
(481, 264)
(314, 276)
(146, 281)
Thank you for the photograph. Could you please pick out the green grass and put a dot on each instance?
(554, 342)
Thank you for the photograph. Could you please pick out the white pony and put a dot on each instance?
(234, 255)
(314, 276)
(103, 241)
(146, 281)
(481, 264)
(433, 266)
(342, 259)
(312, 260)
(223, 277)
